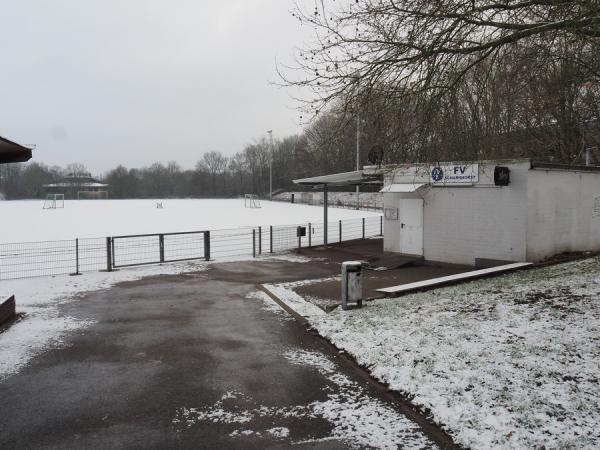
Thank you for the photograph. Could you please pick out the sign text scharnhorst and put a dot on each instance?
(455, 174)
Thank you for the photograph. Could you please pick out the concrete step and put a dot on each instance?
(451, 279)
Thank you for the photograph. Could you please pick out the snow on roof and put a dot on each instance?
(76, 184)
(356, 177)
(403, 187)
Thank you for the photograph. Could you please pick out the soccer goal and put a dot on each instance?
(251, 201)
(92, 195)
(54, 201)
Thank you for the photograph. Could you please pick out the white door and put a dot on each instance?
(410, 216)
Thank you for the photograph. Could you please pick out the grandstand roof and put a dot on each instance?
(11, 152)
(354, 178)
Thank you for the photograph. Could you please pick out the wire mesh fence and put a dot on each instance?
(31, 259)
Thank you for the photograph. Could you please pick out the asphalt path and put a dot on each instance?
(197, 361)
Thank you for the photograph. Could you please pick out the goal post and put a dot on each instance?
(92, 195)
(251, 201)
(54, 201)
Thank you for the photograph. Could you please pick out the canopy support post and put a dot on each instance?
(325, 215)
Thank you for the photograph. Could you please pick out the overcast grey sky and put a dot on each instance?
(131, 82)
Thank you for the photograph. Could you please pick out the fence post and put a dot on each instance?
(363, 223)
(260, 240)
(270, 238)
(340, 231)
(380, 225)
(253, 242)
(309, 235)
(108, 254)
(76, 256)
(161, 247)
(207, 245)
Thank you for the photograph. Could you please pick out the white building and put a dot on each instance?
(485, 213)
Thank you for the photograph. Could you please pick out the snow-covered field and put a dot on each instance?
(97, 218)
(40, 297)
(509, 362)
(38, 242)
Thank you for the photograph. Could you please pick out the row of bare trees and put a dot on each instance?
(457, 79)
(425, 80)
(317, 150)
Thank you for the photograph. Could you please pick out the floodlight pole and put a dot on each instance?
(357, 154)
(270, 132)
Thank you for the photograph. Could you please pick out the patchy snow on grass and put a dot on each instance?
(357, 419)
(508, 362)
(43, 326)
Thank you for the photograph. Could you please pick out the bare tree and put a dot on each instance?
(238, 166)
(216, 164)
(77, 170)
(394, 47)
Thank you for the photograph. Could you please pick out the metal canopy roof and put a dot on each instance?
(11, 152)
(354, 178)
(403, 187)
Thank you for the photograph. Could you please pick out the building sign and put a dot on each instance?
(455, 174)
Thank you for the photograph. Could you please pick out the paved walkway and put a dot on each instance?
(192, 361)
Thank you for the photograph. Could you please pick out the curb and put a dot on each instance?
(429, 428)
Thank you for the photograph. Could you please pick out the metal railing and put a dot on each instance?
(43, 258)
(334, 203)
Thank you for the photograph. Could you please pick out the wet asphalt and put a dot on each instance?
(163, 344)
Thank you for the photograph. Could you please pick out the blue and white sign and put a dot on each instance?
(454, 174)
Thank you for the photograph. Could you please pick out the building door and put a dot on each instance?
(410, 216)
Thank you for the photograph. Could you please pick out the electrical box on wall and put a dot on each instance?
(501, 176)
(391, 213)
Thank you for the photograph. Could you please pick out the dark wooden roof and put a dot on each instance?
(11, 152)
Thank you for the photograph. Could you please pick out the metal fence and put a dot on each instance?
(31, 259)
(142, 249)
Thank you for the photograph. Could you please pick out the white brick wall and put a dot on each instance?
(564, 213)
(484, 221)
(462, 224)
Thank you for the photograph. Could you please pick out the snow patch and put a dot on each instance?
(292, 299)
(279, 432)
(289, 257)
(270, 305)
(43, 326)
(357, 419)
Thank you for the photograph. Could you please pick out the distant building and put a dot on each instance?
(78, 187)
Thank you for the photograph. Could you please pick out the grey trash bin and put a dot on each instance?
(351, 283)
